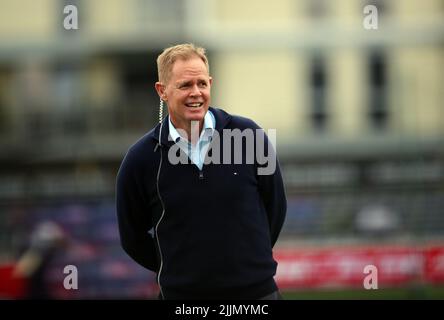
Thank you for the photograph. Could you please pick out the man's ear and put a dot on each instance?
(160, 88)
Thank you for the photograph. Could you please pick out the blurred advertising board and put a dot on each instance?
(301, 268)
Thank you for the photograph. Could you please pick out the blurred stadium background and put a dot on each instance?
(359, 117)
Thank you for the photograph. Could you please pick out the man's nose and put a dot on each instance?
(195, 91)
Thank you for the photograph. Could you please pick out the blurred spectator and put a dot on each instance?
(377, 221)
(45, 241)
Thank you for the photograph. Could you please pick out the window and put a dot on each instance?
(377, 90)
(318, 87)
(138, 73)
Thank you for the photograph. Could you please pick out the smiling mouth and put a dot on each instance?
(194, 105)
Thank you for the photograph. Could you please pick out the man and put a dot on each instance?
(213, 223)
(47, 239)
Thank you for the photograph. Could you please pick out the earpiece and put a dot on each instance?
(161, 110)
(159, 144)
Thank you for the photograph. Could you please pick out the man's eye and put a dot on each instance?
(203, 84)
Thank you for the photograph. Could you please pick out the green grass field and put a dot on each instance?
(411, 293)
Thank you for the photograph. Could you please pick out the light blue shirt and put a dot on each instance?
(196, 153)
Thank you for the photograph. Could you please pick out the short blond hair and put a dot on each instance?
(166, 59)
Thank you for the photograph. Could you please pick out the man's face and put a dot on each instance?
(187, 92)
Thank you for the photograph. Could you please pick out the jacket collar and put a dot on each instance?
(222, 119)
(207, 130)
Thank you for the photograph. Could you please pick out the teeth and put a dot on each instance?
(194, 105)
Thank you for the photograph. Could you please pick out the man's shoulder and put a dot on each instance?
(236, 121)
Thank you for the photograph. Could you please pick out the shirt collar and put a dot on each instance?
(208, 128)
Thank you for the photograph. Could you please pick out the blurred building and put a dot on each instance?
(358, 113)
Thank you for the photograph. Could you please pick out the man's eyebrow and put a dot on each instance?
(189, 82)
(184, 83)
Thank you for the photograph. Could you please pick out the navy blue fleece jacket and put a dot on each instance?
(214, 228)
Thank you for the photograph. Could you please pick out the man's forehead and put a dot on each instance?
(192, 66)
(191, 77)
(185, 78)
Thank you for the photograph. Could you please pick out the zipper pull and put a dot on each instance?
(201, 176)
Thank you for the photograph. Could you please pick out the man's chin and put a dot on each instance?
(196, 115)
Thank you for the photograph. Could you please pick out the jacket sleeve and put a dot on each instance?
(134, 218)
(271, 189)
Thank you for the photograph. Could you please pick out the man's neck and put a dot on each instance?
(192, 130)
